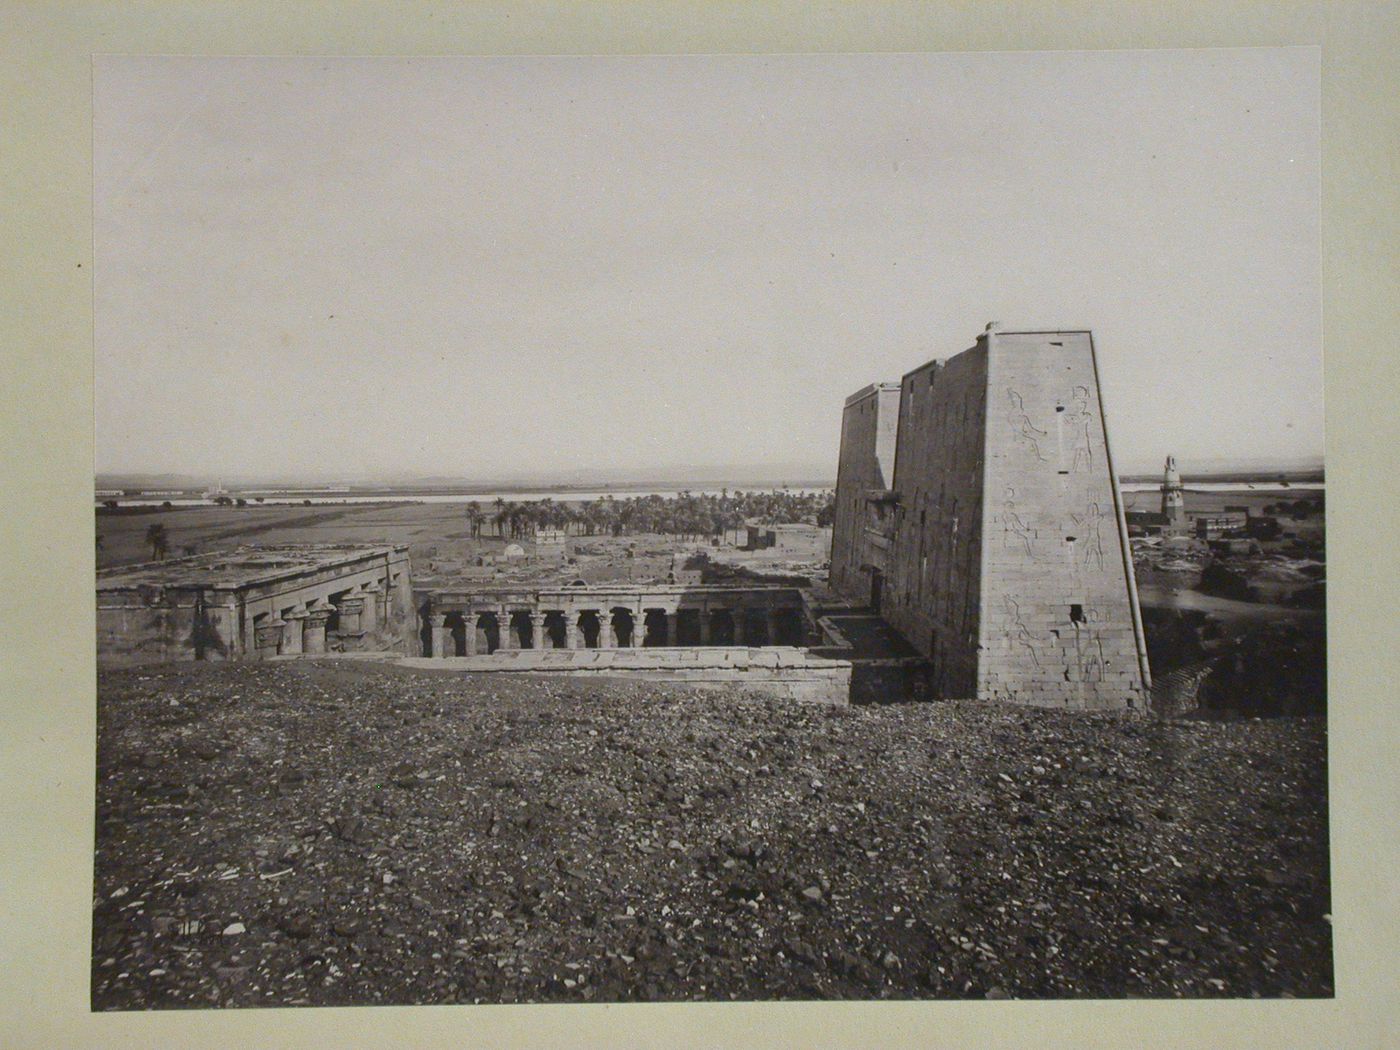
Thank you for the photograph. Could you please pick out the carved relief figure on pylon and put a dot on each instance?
(1090, 524)
(1018, 632)
(1092, 661)
(1013, 528)
(1026, 431)
(1079, 420)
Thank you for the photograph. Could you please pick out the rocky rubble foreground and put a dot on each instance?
(322, 833)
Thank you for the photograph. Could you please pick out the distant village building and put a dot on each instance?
(999, 550)
(1172, 519)
(797, 540)
(1216, 526)
(551, 543)
(1145, 522)
(1173, 498)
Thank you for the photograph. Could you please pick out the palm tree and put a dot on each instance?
(504, 511)
(156, 537)
(474, 520)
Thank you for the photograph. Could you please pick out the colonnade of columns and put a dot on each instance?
(593, 628)
(302, 628)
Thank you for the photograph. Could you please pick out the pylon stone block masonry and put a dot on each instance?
(1008, 564)
(865, 470)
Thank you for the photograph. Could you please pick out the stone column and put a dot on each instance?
(442, 636)
(507, 639)
(291, 632)
(737, 619)
(672, 628)
(369, 617)
(248, 644)
(267, 636)
(571, 631)
(314, 635)
(639, 628)
(606, 638)
(537, 630)
(351, 607)
(705, 625)
(469, 619)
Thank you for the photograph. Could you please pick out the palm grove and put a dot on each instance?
(686, 515)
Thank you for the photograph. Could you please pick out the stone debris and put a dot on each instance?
(595, 841)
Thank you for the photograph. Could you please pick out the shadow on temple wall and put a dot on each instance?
(204, 634)
(897, 680)
(425, 626)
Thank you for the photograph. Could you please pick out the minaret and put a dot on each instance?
(1173, 505)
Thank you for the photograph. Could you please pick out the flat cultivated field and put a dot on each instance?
(338, 833)
(437, 534)
(420, 525)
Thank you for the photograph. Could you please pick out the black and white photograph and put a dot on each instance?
(593, 529)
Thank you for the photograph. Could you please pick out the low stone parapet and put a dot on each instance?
(788, 672)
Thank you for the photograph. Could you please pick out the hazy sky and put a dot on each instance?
(473, 266)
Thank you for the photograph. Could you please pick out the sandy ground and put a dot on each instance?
(308, 833)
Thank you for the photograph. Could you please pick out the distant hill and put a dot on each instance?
(696, 476)
(1224, 468)
(768, 475)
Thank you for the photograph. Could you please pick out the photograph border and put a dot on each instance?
(46, 649)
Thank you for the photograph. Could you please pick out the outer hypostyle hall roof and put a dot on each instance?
(239, 567)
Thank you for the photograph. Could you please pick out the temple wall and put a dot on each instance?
(783, 673)
(155, 628)
(1057, 621)
(934, 580)
(869, 424)
(156, 622)
(1007, 565)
